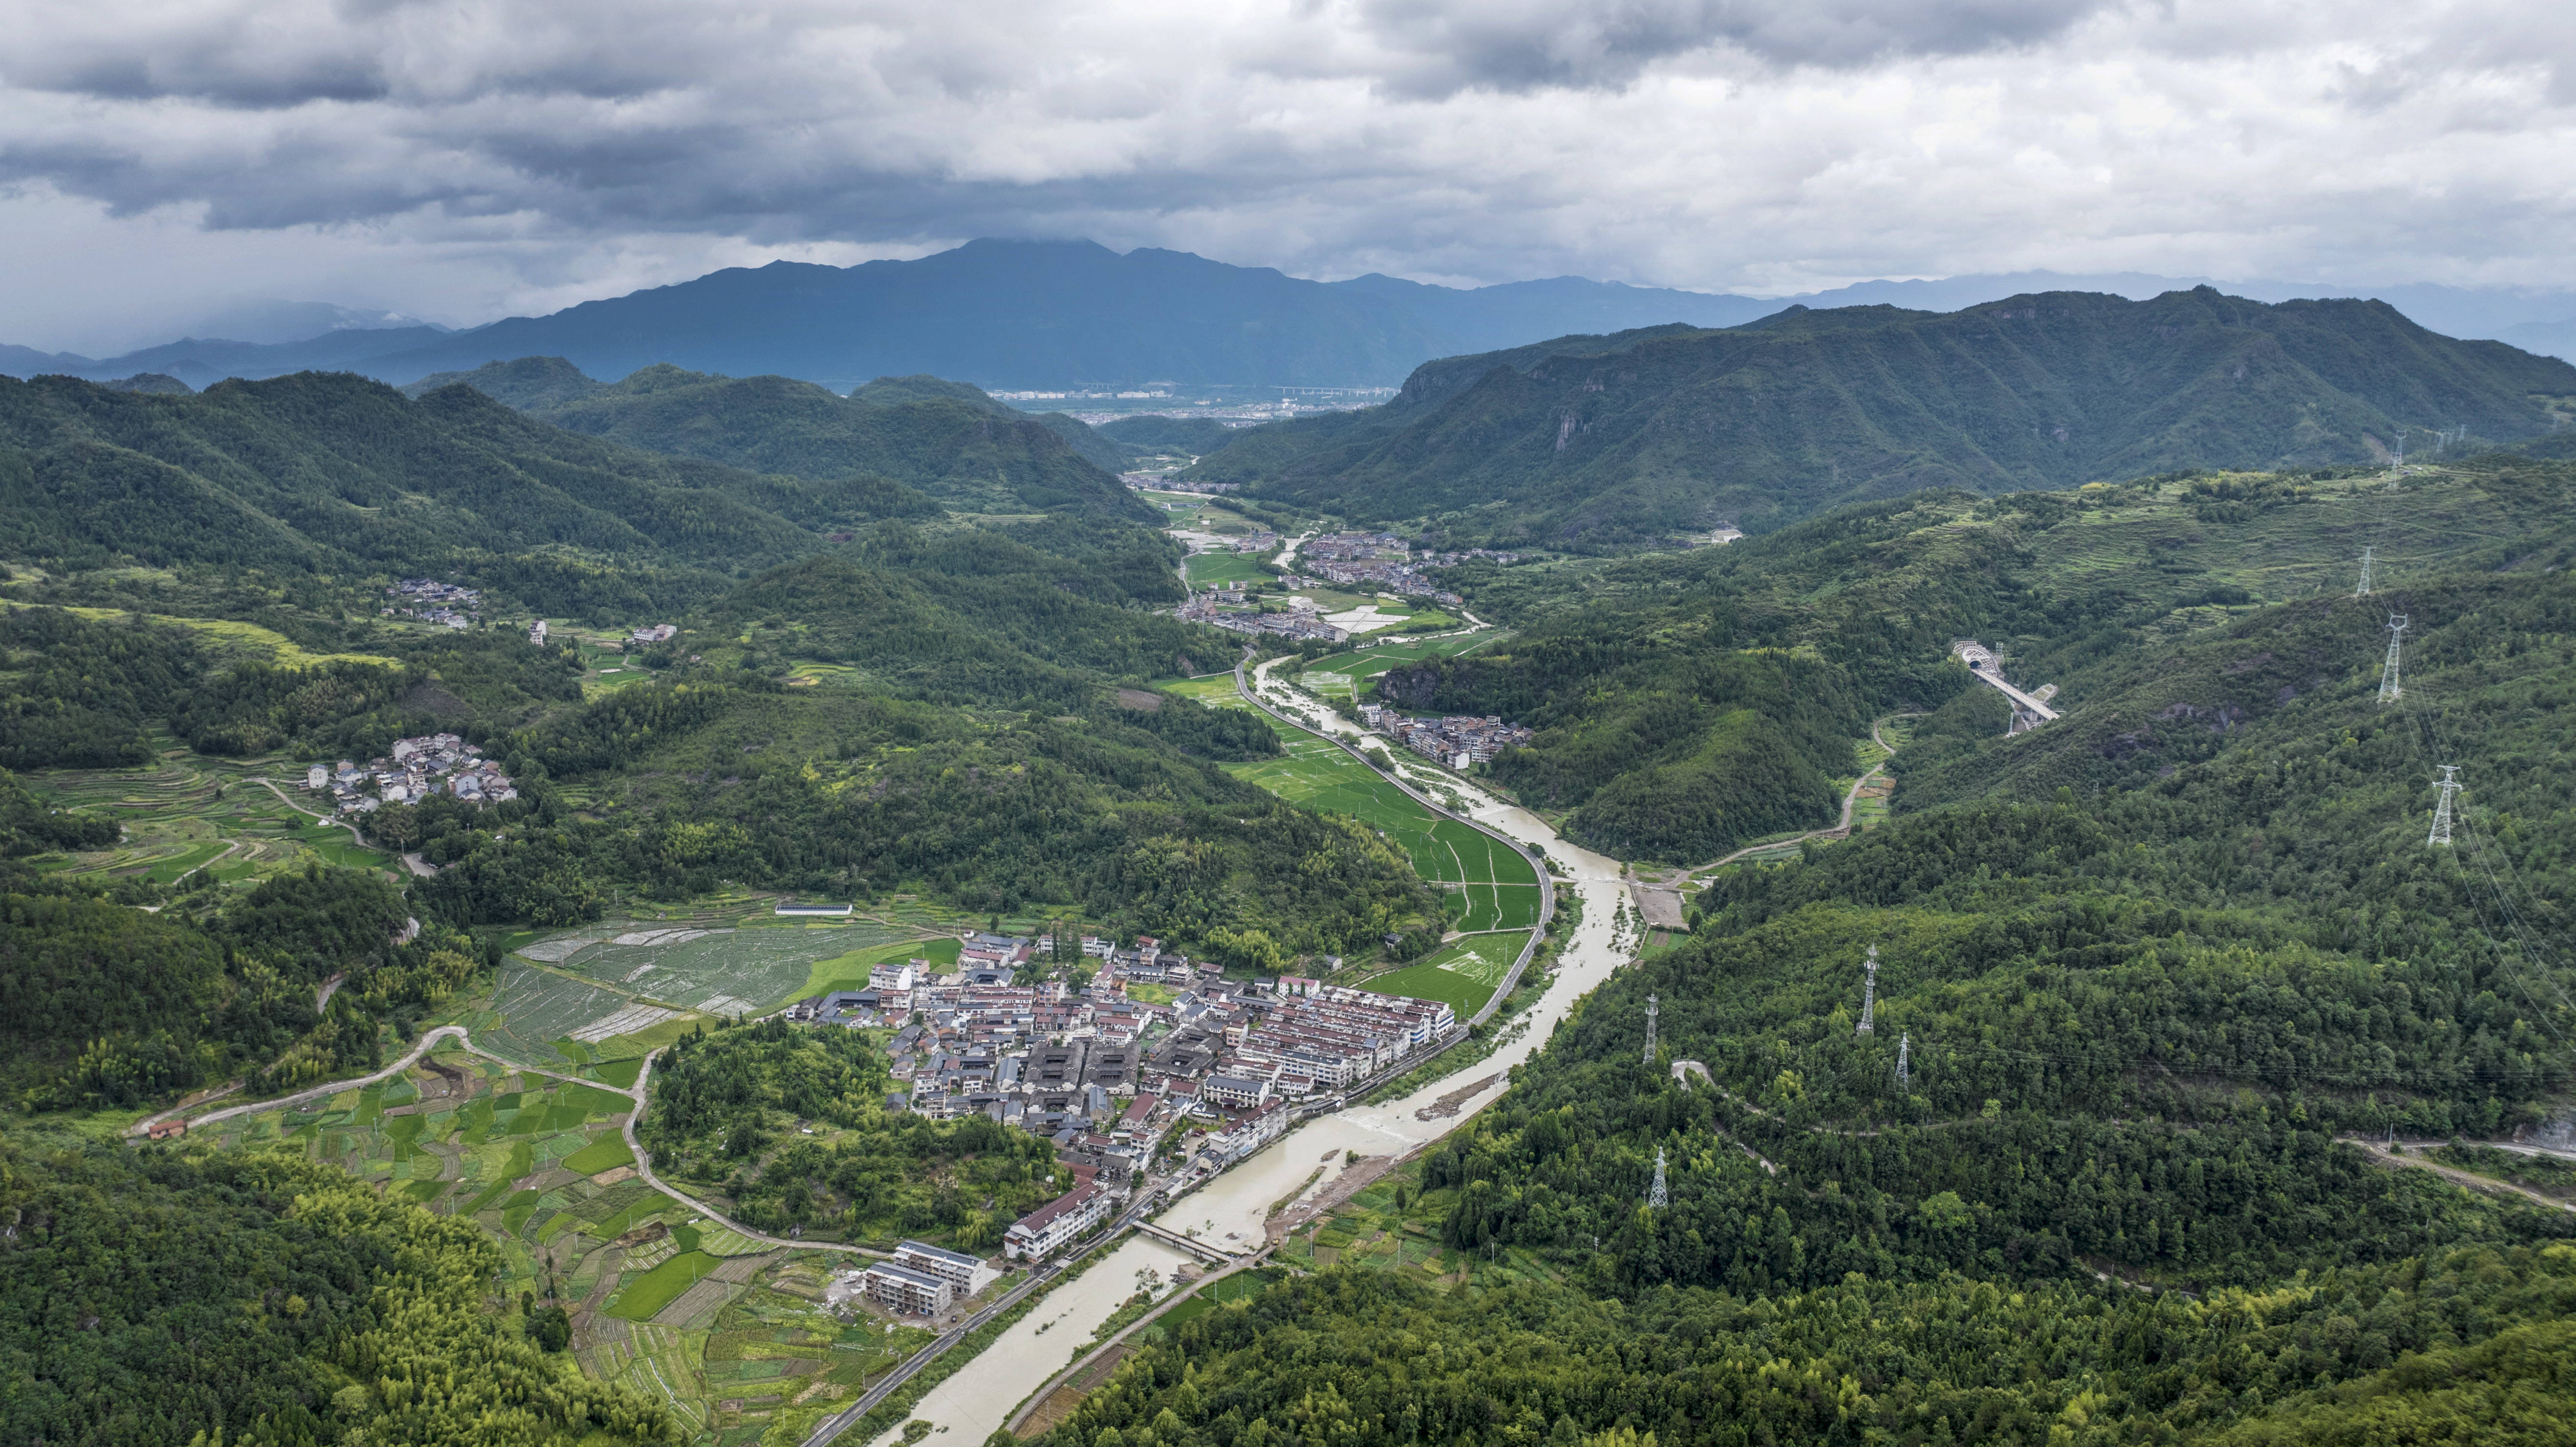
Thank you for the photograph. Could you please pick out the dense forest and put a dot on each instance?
(113, 1005)
(728, 1112)
(149, 1298)
(2464, 1345)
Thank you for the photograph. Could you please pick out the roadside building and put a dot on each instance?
(906, 1290)
(1047, 1229)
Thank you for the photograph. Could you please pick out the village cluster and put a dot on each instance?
(1300, 624)
(416, 769)
(433, 602)
(1456, 741)
(1208, 1075)
(1383, 560)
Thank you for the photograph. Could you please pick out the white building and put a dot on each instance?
(317, 778)
(904, 1289)
(964, 1274)
(537, 631)
(1041, 1232)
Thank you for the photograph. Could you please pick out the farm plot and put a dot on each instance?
(1320, 776)
(1463, 975)
(1367, 663)
(1216, 690)
(533, 1008)
(1206, 568)
(723, 971)
(1480, 907)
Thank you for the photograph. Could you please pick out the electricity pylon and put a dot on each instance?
(2442, 811)
(1904, 1077)
(2388, 689)
(1869, 994)
(2364, 590)
(1650, 1029)
(1655, 1198)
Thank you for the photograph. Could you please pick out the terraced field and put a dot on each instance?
(728, 1330)
(195, 812)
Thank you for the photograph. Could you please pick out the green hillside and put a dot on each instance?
(329, 473)
(1593, 442)
(1629, 669)
(945, 438)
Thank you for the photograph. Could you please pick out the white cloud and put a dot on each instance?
(459, 160)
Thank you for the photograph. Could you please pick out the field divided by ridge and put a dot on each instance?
(1318, 775)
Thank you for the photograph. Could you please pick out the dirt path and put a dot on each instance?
(1842, 827)
(314, 815)
(644, 1168)
(2469, 1179)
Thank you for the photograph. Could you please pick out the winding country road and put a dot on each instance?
(465, 1041)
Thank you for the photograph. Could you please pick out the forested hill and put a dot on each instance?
(1601, 441)
(1690, 703)
(318, 473)
(909, 428)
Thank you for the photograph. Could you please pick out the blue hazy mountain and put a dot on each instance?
(1020, 314)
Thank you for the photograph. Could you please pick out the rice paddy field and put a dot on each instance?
(729, 1331)
(1463, 975)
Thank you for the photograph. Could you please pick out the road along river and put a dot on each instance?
(1232, 1209)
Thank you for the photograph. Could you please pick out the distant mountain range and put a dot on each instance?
(1030, 314)
(1607, 441)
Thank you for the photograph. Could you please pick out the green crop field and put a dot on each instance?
(850, 971)
(513, 1152)
(606, 1151)
(1463, 975)
(1320, 776)
(1366, 663)
(1480, 907)
(659, 1287)
(1206, 568)
(1216, 690)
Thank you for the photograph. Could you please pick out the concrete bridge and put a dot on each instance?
(1191, 1244)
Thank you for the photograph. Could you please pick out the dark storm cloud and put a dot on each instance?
(1736, 144)
(1519, 44)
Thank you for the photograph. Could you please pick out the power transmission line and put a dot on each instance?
(1650, 1030)
(1904, 1049)
(1869, 994)
(1656, 1200)
(2364, 590)
(2388, 689)
(2442, 811)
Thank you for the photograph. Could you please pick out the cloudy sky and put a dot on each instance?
(467, 159)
